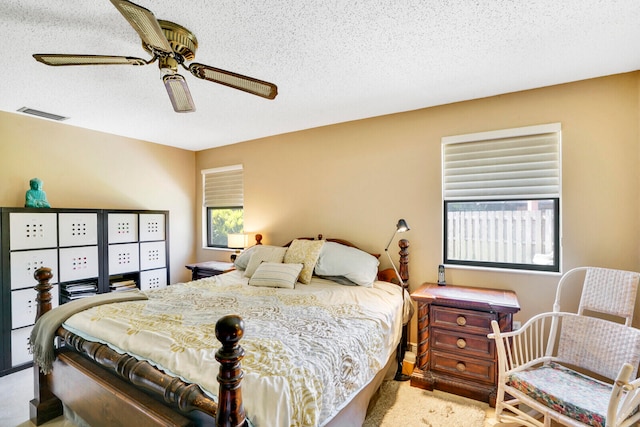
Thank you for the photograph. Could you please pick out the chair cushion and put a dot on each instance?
(565, 391)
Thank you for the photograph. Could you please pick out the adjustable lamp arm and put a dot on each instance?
(400, 228)
(393, 264)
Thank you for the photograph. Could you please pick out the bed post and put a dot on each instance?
(45, 405)
(404, 275)
(404, 261)
(230, 413)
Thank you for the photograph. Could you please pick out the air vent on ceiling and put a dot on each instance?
(44, 114)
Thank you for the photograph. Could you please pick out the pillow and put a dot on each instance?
(305, 252)
(341, 280)
(358, 266)
(242, 260)
(264, 253)
(276, 275)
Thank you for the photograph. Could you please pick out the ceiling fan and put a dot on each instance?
(171, 45)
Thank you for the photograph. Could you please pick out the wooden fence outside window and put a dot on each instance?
(519, 236)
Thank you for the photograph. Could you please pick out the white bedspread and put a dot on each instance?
(309, 350)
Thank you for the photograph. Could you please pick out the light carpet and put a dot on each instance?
(399, 404)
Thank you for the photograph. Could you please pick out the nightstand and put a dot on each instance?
(200, 270)
(454, 353)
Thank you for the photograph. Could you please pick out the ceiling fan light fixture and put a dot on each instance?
(168, 64)
(179, 93)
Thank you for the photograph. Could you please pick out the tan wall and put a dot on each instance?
(354, 180)
(87, 169)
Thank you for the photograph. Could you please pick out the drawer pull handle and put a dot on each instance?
(461, 367)
(461, 343)
(461, 321)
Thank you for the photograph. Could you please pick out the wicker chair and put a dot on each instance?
(585, 372)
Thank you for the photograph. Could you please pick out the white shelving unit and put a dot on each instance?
(87, 250)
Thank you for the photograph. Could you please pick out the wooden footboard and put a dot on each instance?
(52, 390)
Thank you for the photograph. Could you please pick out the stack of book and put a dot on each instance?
(122, 285)
(73, 291)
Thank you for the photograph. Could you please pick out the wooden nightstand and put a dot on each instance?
(454, 353)
(200, 270)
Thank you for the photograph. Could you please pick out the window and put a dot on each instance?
(501, 195)
(223, 200)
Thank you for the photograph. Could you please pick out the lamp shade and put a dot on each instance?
(237, 240)
(402, 226)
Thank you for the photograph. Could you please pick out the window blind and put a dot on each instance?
(524, 166)
(223, 187)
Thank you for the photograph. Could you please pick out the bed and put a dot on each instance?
(308, 333)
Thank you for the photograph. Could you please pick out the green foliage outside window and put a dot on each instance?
(222, 221)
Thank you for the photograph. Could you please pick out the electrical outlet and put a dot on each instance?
(516, 325)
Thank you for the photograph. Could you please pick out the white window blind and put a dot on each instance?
(521, 163)
(223, 187)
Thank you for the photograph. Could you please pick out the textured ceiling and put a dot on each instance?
(333, 60)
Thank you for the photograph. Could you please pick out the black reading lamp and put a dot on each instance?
(401, 227)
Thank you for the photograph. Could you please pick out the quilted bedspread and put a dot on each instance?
(309, 350)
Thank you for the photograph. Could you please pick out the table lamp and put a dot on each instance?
(237, 241)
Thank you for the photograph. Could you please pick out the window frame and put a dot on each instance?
(208, 213)
(555, 267)
(517, 196)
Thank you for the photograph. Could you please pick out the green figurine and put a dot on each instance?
(36, 197)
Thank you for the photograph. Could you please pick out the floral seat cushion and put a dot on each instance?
(565, 391)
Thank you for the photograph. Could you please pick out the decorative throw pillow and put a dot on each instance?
(276, 275)
(355, 265)
(264, 253)
(305, 252)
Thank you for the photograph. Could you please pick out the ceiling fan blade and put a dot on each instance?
(145, 23)
(179, 93)
(61, 59)
(234, 80)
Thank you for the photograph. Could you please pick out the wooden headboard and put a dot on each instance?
(388, 274)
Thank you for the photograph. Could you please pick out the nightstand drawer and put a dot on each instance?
(474, 369)
(469, 321)
(462, 343)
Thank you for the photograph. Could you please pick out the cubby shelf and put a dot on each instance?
(89, 250)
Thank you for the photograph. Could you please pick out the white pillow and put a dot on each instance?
(242, 260)
(339, 260)
(276, 275)
(341, 280)
(261, 254)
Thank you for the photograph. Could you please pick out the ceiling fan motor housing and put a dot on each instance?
(182, 41)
